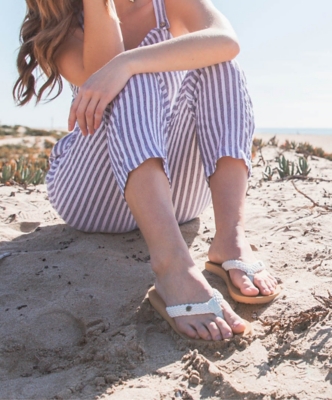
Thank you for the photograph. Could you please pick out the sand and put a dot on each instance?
(75, 325)
(29, 141)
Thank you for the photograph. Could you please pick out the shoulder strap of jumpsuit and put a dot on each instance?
(160, 11)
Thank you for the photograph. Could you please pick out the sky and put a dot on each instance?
(286, 53)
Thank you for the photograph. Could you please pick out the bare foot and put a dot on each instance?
(182, 285)
(236, 247)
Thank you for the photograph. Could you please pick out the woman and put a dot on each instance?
(161, 120)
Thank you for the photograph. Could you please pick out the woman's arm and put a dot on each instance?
(209, 39)
(206, 38)
(82, 55)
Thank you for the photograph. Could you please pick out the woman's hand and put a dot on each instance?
(97, 92)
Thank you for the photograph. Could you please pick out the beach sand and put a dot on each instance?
(75, 325)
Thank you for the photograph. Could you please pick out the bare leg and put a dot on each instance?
(178, 280)
(228, 186)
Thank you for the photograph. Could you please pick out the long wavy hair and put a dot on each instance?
(45, 27)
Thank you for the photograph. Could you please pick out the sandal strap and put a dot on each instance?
(213, 306)
(249, 268)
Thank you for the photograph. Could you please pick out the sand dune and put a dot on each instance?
(323, 141)
(75, 325)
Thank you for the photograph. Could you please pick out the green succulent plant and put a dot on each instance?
(7, 173)
(285, 168)
(38, 177)
(24, 172)
(268, 173)
(303, 167)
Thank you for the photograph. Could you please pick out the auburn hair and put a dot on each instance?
(45, 27)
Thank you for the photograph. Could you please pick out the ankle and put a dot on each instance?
(230, 232)
(231, 246)
(168, 263)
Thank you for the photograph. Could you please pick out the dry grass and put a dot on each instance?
(23, 164)
(306, 149)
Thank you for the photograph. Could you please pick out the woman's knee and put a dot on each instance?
(226, 78)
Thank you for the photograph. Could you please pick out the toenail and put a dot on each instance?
(228, 335)
(236, 324)
(218, 337)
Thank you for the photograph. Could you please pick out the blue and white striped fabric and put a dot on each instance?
(189, 119)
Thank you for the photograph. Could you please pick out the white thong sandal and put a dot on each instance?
(210, 307)
(250, 270)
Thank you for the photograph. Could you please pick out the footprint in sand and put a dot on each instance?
(25, 227)
(57, 329)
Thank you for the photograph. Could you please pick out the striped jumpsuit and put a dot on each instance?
(189, 119)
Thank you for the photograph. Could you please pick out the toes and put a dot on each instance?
(272, 281)
(263, 285)
(232, 320)
(266, 284)
(194, 330)
(187, 329)
(241, 281)
(215, 332)
(272, 284)
(225, 329)
(247, 287)
(214, 328)
(203, 332)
